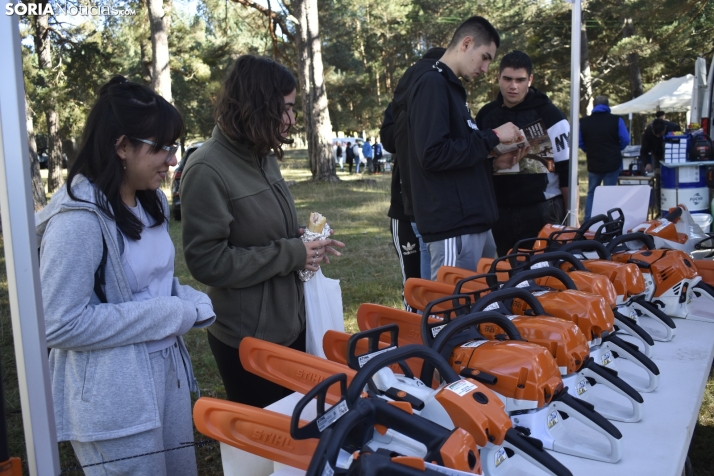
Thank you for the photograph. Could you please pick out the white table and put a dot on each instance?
(656, 445)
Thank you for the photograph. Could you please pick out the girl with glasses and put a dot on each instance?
(114, 312)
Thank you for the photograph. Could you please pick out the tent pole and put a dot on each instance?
(574, 109)
(22, 261)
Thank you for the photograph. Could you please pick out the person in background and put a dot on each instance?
(603, 136)
(340, 157)
(542, 196)
(368, 154)
(377, 157)
(240, 228)
(350, 154)
(359, 158)
(652, 149)
(114, 312)
(452, 189)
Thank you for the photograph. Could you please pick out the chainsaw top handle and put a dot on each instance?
(639, 236)
(674, 214)
(559, 255)
(527, 245)
(373, 337)
(586, 245)
(509, 293)
(548, 272)
(378, 362)
(491, 281)
(460, 305)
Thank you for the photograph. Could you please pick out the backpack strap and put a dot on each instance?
(99, 274)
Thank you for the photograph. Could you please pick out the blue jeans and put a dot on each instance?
(425, 256)
(594, 180)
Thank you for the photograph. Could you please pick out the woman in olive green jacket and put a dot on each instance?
(240, 227)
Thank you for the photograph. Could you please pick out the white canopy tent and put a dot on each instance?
(673, 95)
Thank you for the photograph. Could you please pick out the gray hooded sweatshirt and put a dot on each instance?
(100, 373)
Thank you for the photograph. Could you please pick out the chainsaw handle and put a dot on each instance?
(474, 320)
(559, 255)
(316, 426)
(458, 309)
(674, 214)
(509, 293)
(378, 362)
(512, 261)
(373, 337)
(357, 425)
(603, 374)
(639, 236)
(376, 464)
(532, 448)
(548, 272)
(587, 411)
(586, 245)
(491, 281)
(529, 244)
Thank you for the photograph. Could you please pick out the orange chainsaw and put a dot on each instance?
(524, 375)
(592, 315)
(585, 280)
(485, 419)
(562, 338)
(366, 426)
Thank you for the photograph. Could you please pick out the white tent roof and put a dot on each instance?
(673, 95)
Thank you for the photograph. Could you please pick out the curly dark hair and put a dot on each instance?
(251, 103)
(129, 109)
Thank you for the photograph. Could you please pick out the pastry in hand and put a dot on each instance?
(317, 222)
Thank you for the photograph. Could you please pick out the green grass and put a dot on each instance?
(368, 272)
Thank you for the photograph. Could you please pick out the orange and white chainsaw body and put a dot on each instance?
(670, 277)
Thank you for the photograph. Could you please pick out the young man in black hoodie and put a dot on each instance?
(450, 162)
(534, 196)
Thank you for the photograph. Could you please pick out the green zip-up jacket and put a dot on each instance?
(241, 238)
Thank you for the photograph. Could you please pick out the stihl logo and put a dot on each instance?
(272, 439)
(309, 376)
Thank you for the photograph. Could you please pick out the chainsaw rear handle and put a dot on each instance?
(610, 376)
(491, 281)
(548, 272)
(378, 464)
(430, 358)
(458, 309)
(559, 255)
(316, 426)
(633, 327)
(639, 236)
(654, 311)
(587, 411)
(587, 245)
(509, 293)
(532, 449)
(628, 351)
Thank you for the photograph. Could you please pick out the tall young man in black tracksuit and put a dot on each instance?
(537, 193)
(450, 162)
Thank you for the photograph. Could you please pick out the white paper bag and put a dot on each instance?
(323, 306)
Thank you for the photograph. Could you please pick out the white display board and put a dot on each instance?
(633, 200)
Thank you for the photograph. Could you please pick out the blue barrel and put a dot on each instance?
(693, 192)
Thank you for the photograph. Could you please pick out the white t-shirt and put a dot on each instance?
(149, 266)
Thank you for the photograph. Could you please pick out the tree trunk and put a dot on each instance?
(317, 118)
(39, 199)
(160, 22)
(586, 78)
(635, 77)
(44, 61)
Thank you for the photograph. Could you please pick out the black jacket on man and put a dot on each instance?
(520, 189)
(450, 167)
(386, 135)
(602, 136)
(651, 144)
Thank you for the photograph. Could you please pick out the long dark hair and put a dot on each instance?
(134, 111)
(251, 103)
